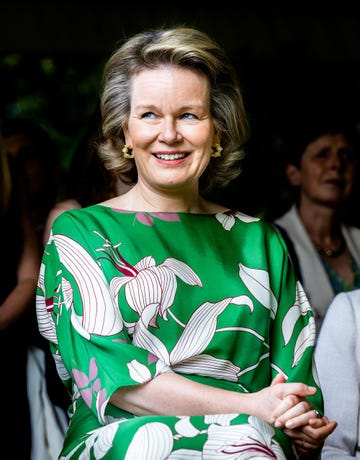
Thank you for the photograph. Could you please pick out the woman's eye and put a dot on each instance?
(347, 155)
(190, 116)
(322, 153)
(148, 115)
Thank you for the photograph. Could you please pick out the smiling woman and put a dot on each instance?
(177, 324)
(170, 119)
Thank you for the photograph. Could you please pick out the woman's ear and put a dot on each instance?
(216, 139)
(293, 175)
(126, 135)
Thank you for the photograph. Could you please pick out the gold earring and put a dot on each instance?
(127, 151)
(216, 151)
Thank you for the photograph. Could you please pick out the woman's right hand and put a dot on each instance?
(281, 402)
(308, 430)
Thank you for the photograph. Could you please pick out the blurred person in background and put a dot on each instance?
(337, 356)
(21, 259)
(38, 164)
(36, 161)
(321, 161)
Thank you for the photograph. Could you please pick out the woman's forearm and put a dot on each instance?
(173, 394)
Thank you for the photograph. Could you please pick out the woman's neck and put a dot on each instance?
(139, 199)
(323, 226)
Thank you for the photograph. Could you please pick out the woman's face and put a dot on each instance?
(327, 170)
(170, 128)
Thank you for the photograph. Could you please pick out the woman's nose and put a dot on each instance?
(336, 160)
(169, 131)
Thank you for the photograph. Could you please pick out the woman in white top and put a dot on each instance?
(337, 356)
(321, 167)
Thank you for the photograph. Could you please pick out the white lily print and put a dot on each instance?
(300, 307)
(147, 285)
(184, 454)
(185, 428)
(100, 313)
(156, 440)
(227, 219)
(306, 338)
(220, 419)
(43, 311)
(100, 441)
(257, 281)
(140, 373)
(241, 442)
(197, 334)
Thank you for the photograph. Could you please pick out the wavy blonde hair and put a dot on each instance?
(182, 47)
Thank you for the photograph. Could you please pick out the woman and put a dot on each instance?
(175, 321)
(337, 354)
(322, 166)
(17, 298)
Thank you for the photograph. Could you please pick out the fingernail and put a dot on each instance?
(277, 424)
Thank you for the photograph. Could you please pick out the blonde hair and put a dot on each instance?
(185, 47)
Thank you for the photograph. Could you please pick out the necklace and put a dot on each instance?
(328, 252)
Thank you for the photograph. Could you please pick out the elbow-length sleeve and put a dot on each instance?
(293, 331)
(79, 315)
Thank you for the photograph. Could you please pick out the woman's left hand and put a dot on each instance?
(307, 429)
(309, 439)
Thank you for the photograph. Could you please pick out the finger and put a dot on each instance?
(317, 422)
(297, 389)
(297, 417)
(285, 404)
(297, 435)
(301, 415)
(278, 379)
(319, 432)
(316, 414)
(303, 445)
(291, 408)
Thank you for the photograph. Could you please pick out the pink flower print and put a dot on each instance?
(146, 218)
(89, 384)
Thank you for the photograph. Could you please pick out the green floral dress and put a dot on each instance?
(124, 296)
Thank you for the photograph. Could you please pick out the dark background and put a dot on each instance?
(291, 57)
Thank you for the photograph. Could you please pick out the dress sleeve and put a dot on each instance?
(80, 317)
(292, 336)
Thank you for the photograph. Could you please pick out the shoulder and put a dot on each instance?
(289, 216)
(343, 314)
(345, 303)
(354, 232)
(64, 205)
(69, 215)
(253, 229)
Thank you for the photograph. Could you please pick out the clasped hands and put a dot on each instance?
(296, 416)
